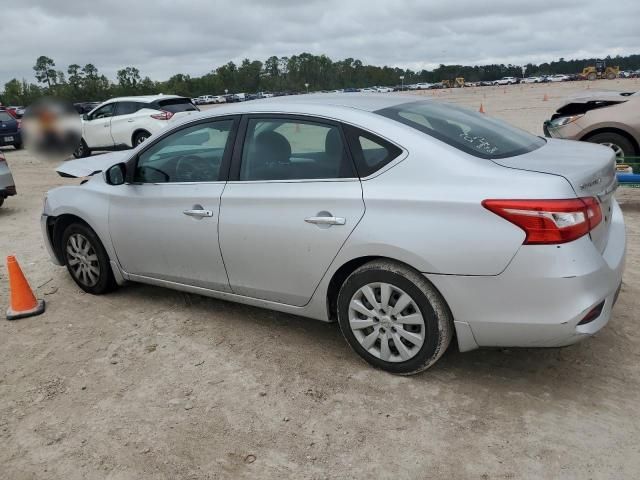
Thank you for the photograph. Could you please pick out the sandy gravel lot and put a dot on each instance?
(152, 383)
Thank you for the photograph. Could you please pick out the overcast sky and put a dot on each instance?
(164, 37)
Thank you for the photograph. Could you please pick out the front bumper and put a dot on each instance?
(541, 297)
(46, 236)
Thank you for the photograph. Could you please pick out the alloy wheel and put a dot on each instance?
(83, 260)
(386, 322)
(616, 149)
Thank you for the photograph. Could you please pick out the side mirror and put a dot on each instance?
(116, 174)
(85, 116)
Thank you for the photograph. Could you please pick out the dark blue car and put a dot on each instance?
(9, 130)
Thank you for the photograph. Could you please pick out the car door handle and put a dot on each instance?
(131, 120)
(326, 220)
(198, 213)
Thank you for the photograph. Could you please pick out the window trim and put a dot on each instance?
(223, 174)
(236, 162)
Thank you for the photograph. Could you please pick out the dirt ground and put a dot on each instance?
(151, 383)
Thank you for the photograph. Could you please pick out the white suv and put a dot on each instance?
(126, 122)
(506, 81)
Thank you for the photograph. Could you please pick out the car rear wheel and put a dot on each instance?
(17, 146)
(1, 201)
(86, 259)
(394, 318)
(620, 144)
(140, 137)
(82, 150)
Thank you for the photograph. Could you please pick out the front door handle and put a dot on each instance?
(198, 213)
(326, 220)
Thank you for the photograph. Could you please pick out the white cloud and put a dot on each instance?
(164, 37)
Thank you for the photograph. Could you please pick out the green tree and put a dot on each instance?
(45, 69)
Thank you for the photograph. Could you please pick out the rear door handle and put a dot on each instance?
(326, 220)
(198, 213)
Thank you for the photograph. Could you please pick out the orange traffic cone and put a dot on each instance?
(545, 98)
(481, 109)
(23, 301)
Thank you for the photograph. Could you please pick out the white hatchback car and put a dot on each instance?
(125, 122)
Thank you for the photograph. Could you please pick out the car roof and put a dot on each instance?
(368, 102)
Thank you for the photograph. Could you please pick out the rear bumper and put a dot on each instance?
(541, 297)
(15, 137)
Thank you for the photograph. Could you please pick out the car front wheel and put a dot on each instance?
(394, 318)
(86, 259)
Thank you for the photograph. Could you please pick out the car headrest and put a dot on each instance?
(333, 144)
(273, 147)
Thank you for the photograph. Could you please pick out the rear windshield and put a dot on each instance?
(464, 129)
(5, 117)
(175, 105)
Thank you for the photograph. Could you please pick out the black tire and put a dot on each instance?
(438, 321)
(18, 146)
(82, 151)
(140, 137)
(611, 139)
(1, 201)
(105, 280)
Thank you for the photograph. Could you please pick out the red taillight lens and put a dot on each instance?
(549, 221)
(163, 115)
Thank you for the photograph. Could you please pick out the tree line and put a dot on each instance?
(86, 83)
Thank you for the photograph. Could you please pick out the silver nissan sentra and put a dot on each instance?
(405, 220)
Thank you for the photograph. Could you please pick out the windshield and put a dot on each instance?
(176, 105)
(5, 117)
(464, 129)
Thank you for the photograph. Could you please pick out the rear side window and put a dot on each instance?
(291, 149)
(127, 108)
(175, 105)
(5, 117)
(465, 130)
(370, 152)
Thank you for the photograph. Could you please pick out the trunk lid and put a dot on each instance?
(589, 168)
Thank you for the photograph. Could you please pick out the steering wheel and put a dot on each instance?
(191, 168)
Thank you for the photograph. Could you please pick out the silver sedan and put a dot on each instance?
(404, 220)
(7, 185)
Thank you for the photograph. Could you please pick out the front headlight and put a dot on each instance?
(561, 121)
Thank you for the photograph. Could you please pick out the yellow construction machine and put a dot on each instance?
(457, 83)
(599, 71)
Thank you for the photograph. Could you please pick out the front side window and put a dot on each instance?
(464, 129)
(193, 154)
(283, 149)
(103, 112)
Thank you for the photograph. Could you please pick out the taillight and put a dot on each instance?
(162, 115)
(19, 123)
(549, 221)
